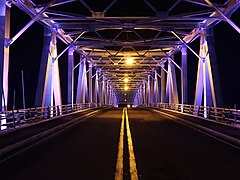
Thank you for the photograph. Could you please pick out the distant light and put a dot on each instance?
(126, 80)
(125, 94)
(126, 88)
(129, 61)
(128, 106)
(125, 100)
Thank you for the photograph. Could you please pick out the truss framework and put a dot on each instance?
(104, 42)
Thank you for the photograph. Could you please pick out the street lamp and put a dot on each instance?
(129, 61)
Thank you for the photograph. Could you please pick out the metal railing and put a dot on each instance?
(225, 115)
(20, 117)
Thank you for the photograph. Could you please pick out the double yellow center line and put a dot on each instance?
(132, 162)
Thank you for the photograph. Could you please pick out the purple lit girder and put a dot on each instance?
(70, 75)
(223, 15)
(171, 85)
(4, 56)
(96, 88)
(184, 87)
(163, 85)
(49, 89)
(205, 86)
(90, 83)
(156, 88)
(82, 88)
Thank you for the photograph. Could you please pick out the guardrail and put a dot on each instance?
(225, 115)
(19, 117)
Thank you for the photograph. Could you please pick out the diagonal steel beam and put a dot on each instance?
(151, 6)
(12, 40)
(186, 45)
(86, 6)
(69, 46)
(223, 15)
(109, 6)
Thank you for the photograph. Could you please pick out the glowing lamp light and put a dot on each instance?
(129, 61)
(126, 80)
(128, 106)
(126, 88)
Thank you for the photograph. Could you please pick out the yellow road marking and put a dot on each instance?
(132, 161)
(119, 165)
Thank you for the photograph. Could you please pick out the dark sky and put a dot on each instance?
(25, 54)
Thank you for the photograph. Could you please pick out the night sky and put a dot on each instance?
(25, 54)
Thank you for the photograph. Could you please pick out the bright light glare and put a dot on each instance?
(129, 61)
(126, 88)
(126, 80)
(128, 105)
(125, 100)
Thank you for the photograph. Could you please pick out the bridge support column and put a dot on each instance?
(100, 86)
(148, 92)
(104, 91)
(156, 89)
(163, 85)
(140, 95)
(49, 89)
(144, 93)
(96, 89)
(184, 86)
(90, 84)
(82, 92)
(171, 87)
(215, 72)
(70, 75)
(4, 56)
(204, 85)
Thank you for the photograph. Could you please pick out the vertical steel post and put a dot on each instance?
(79, 95)
(163, 85)
(156, 90)
(171, 87)
(205, 85)
(96, 89)
(184, 86)
(103, 90)
(100, 84)
(149, 90)
(106, 93)
(70, 75)
(215, 72)
(49, 80)
(44, 70)
(90, 84)
(4, 53)
(56, 76)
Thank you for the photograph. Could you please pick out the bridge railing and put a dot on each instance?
(21, 117)
(225, 115)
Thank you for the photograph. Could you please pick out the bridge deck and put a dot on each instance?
(165, 147)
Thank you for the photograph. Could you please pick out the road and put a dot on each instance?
(161, 149)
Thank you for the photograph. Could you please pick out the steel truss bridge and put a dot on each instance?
(122, 58)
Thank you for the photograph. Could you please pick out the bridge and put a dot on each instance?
(121, 91)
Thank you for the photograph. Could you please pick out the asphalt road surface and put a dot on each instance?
(104, 147)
